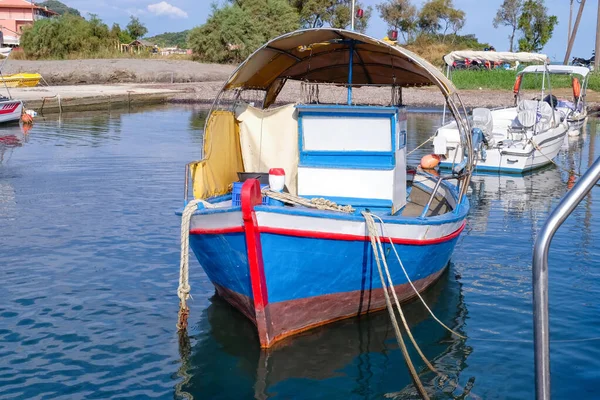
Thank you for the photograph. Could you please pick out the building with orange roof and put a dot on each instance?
(15, 14)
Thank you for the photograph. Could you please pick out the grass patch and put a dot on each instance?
(504, 80)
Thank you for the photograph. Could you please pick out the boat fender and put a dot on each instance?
(576, 88)
(27, 119)
(430, 161)
(517, 84)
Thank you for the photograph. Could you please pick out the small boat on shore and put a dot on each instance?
(517, 139)
(573, 110)
(283, 195)
(21, 80)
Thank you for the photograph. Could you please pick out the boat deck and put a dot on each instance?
(418, 200)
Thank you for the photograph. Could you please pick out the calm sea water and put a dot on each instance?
(89, 268)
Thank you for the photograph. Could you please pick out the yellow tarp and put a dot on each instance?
(214, 175)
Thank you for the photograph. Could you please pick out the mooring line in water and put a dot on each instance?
(183, 291)
(411, 283)
(373, 238)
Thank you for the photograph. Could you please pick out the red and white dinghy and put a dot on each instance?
(10, 110)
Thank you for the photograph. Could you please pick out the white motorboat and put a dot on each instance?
(10, 110)
(574, 110)
(515, 139)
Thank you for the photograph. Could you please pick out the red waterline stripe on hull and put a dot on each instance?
(329, 235)
(217, 231)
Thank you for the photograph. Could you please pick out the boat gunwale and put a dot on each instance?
(457, 213)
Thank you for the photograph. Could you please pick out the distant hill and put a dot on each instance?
(170, 39)
(59, 7)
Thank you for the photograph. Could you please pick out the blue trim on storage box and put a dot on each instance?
(356, 201)
(347, 160)
(350, 159)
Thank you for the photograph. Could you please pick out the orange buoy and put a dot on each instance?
(517, 84)
(27, 119)
(430, 161)
(576, 88)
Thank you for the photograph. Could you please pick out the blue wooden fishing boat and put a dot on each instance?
(282, 191)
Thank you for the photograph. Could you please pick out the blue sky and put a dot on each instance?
(176, 15)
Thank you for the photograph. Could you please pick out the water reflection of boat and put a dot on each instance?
(514, 195)
(10, 138)
(350, 357)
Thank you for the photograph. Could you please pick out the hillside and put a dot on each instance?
(59, 7)
(170, 39)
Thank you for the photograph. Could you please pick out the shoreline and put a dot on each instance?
(51, 99)
(97, 84)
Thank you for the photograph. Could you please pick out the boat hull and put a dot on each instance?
(312, 270)
(519, 160)
(10, 111)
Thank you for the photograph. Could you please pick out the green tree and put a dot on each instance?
(135, 28)
(400, 15)
(119, 34)
(235, 30)
(535, 25)
(334, 13)
(440, 15)
(508, 15)
(64, 36)
(59, 7)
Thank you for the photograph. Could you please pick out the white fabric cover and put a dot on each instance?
(495, 56)
(531, 112)
(526, 118)
(269, 139)
(556, 69)
(482, 119)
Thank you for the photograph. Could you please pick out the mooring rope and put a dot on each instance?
(183, 291)
(373, 236)
(419, 146)
(411, 283)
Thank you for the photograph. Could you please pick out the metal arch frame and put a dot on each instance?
(541, 321)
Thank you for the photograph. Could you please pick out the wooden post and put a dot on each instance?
(596, 59)
(574, 33)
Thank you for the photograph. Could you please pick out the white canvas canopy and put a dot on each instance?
(556, 69)
(495, 56)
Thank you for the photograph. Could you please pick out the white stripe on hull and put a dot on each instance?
(320, 225)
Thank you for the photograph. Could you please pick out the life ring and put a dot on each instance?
(517, 84)
(576, 88)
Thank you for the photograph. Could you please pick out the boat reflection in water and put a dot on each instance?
(353, 358)
(11, 137)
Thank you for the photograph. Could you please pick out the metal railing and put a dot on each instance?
(540, 276)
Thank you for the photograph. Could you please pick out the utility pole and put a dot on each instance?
(570, 19)
(596, 59)
(352, 26)
(574, 33)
